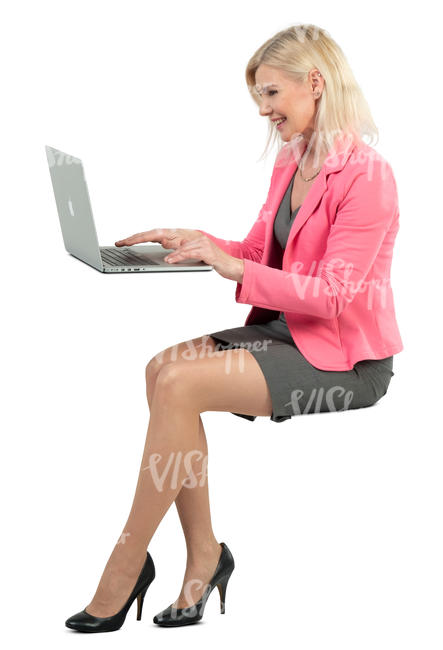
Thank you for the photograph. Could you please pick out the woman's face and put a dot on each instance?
(282, 97)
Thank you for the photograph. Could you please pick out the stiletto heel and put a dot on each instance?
(222, 591)
(85, 622)
(140, 599)
(173, 617)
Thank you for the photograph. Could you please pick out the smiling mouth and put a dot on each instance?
(278, 123)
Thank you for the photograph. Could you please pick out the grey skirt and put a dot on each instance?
(296, 386)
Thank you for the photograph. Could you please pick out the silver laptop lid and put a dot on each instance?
(74, 207)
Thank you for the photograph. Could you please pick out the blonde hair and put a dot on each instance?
(342, 109)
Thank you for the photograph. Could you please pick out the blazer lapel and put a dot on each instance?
(334, 162)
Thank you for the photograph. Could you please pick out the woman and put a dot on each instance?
(321, 333)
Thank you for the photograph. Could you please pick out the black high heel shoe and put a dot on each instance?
(85, 622)
(172, 617)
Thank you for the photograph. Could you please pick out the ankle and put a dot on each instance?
(203, 550)
(128, 560)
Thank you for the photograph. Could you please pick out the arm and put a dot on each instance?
(363, 218)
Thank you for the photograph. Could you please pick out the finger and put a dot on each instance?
(138, 238)
(188, 245)
(171, 259)
(186, 248)
(128, 241)
(133, 239)
(182, 253)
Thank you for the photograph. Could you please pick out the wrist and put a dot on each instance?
(240, 271)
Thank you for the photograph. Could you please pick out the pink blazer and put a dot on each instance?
(333, 281)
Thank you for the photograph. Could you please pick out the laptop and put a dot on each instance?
(78, 227)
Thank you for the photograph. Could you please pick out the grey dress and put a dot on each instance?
(296, 386)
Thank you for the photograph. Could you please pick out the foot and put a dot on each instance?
(199, 571)
(116, 584)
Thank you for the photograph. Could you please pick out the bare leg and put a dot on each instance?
(172, 433)
(203, 550)
(182, 391)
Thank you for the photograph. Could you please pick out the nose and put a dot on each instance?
(264, 110)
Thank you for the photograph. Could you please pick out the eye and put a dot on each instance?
(271, 92)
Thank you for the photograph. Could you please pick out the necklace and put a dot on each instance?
(311, 177)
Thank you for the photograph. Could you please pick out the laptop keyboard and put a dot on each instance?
(119, 258)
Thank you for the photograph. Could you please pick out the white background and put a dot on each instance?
(334, 519)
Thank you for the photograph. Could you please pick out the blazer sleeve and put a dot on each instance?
(362, 220)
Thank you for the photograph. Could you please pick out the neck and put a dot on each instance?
(314, 154)
(312, 162)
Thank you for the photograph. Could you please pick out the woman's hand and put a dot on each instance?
(202, 248)
(167, 237)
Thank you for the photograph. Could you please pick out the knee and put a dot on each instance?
(171, 382)
(152, 369)
(159, 360)
(155, 364)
